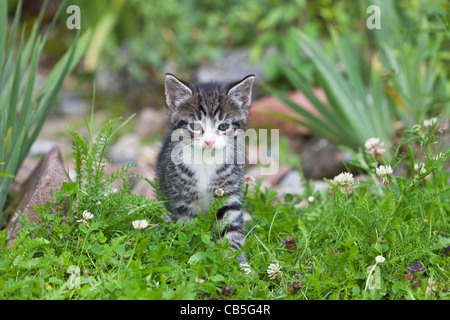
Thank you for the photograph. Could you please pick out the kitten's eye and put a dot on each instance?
(181, 123)
(195, 126)
(224, 126)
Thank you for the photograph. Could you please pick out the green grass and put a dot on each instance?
(336, 236)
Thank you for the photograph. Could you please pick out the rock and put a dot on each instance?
(107, 81)
(148, 154)
(322, 159)
(151, 121)
(291, 179)
(269, 181)
(25, 170)
(125, 150)
(72, 104)
(41, 147)
(49, 174)
(259, 118)
(129, 148)
(140, 186)
(293, 184)
(234, 66)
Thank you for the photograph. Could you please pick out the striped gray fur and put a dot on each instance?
(208, 116)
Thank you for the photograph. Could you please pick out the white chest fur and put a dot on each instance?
(204, 174)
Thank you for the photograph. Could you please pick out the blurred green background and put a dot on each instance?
(140, 41)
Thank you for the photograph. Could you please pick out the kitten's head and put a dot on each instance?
(209, 111)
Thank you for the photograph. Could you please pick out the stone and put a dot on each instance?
(140, 186)
(292, 183)
(72, 104)
(322, 159)
(291, 179)
(260, 117)
(271, 181)
(125, 150)
(49, 174)
(25, 170)
(41, 146)
(150, 121)
(232, 67)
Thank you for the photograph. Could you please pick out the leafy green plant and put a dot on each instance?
(355, 112)
(415, 76)
(339, 233)
(373, 78)
(22, 110)
(95, 240)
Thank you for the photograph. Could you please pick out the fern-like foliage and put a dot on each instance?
(107, 196)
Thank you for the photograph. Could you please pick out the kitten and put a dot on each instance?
(205, 120)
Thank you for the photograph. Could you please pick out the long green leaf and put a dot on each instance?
(51, 87)
(335, 124)
(23, 113)
(355, 80)
(3, 29)
(311, 121)
(11, 168)
(333, 83)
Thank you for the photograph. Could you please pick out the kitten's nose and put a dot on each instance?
(209, 142)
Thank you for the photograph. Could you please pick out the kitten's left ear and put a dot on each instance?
(241, 91)
(176, 91)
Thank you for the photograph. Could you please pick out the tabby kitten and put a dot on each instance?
(205, 120)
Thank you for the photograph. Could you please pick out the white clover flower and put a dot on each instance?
(140, 224)
(310, 198)
(374, 146)
(430, 287)
(274, 271)
(344, 178)
(246, 268)
(219, 192)
(429, 122)
(199, 280)
(87, 215)
(380, 259)
(371, 142)
(383, 171)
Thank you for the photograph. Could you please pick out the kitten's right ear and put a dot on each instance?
(176, 91)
